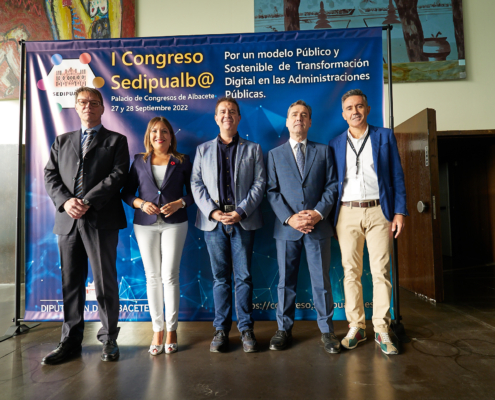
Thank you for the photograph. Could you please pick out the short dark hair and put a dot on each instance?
(354, 92)
(300, 103)
(228, 100)
(96, 92)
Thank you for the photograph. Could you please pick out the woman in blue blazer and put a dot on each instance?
(160, 224)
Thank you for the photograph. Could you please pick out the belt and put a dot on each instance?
(228, 208)
(361, 204)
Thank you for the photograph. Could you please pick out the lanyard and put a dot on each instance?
(360, 150)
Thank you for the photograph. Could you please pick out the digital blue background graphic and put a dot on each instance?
(263, 121)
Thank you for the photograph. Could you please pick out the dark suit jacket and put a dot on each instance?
(288, 193)
(141, 178)
(106, 165)
(387, 167)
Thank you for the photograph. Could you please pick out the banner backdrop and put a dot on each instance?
(181, 79)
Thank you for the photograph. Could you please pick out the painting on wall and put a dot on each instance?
(56, 20)
(427, 35)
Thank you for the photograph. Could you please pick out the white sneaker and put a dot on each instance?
(383, 339)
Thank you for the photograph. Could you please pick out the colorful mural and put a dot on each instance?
(37, 20)
(427, 35)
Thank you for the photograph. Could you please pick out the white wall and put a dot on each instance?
(9, 122)
(193, 17)
(460, 105)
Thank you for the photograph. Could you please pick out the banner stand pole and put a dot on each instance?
(396, 326)
(19, 328)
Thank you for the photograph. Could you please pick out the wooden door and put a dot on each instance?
(420, 251)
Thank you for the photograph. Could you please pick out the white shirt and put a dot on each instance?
(362, 185)
(159, 173)
(293, 145)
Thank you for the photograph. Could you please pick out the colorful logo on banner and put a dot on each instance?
(181, 79)
(65, 77)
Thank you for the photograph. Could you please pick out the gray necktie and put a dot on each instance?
(87, 139)
(300, 158)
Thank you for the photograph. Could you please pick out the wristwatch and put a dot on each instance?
(86, 202)
(183, 203)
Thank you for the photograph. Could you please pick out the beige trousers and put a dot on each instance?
(354, 226)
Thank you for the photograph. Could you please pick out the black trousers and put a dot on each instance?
(99, 246)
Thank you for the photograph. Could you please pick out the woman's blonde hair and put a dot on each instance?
(173, 142)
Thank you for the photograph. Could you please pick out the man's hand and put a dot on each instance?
(217, 215)
(231, 218)
(315, 216)
(301, 222)
(75, 208)
(397, 225)
(169, 208)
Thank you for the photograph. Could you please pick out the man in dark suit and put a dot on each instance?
(228, 183)
(83, 177)
(371, 205)
(301, 189)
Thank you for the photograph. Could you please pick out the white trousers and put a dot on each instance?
(161, 247)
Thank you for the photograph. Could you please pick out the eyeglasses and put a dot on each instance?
(93, 103)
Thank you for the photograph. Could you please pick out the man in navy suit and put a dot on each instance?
(371, 206)
(302, 187)
(228, 183)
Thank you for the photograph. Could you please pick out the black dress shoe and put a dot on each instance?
(249, 343)
(281, 340)
(220, 342)
(63, 352)
(110, 351)
(331, 343)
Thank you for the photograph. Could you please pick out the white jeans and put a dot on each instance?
(161, 247)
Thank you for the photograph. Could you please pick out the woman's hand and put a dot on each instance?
(170, 208)
(148, 207)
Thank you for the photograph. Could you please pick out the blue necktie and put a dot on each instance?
(87, 139)
(300, 158)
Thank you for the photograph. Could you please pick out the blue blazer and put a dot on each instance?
(288, 193)
(249, 178)
(141, 178)
(387, 167)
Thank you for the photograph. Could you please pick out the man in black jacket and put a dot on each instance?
(83, 177)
